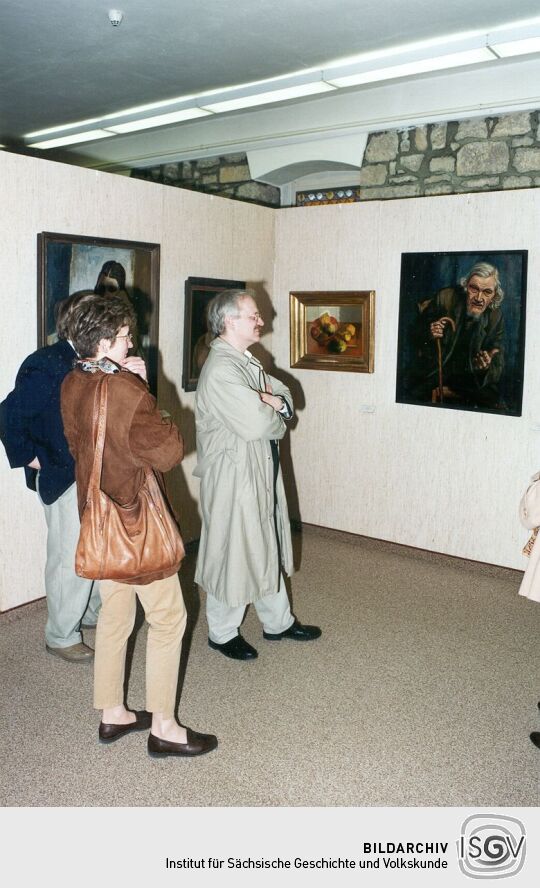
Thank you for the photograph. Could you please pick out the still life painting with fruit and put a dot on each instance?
(333, 330)
(330, 334)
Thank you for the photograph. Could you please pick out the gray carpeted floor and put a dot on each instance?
(421, 691)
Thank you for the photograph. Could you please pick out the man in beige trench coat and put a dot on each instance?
(240, 415)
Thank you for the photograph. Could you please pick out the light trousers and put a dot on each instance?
(273, 611)
(70, 599)
(166, 614)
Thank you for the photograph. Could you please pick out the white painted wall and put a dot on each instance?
(199, 235)
(442, 480)
(448, 481)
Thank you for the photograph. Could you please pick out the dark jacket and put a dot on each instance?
(136, 434)
(473, 386)
(31, 422)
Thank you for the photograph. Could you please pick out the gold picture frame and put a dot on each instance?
(333, 330)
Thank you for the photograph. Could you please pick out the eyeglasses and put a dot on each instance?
(477, 290)
(254, 317)
(127, 336)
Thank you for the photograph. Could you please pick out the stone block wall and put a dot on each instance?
(227, 176)
(482, 154)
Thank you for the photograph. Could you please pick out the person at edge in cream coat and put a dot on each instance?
(530, 585)
(245, 545)
(136, 437)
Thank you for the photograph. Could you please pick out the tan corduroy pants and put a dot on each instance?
(165, 612)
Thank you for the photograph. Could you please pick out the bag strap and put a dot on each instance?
(98, 433)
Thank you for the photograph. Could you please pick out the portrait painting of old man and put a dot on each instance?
(462, 330)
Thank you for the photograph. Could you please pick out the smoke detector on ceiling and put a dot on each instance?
(115, 17)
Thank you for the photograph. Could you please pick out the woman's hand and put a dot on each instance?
(135, 365)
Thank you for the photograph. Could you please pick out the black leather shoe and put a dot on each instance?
(197, 744)
(535, 737)
(297, 632)
(237, 648)
(109, 733)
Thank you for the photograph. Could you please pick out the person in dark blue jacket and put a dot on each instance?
(33, 436)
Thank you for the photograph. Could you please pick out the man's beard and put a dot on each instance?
(476, 313)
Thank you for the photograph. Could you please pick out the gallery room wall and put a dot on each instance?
(199, 235)
(443, 480)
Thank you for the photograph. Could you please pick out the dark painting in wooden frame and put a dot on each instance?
(68, 263)
(461, 341)
(198, 293)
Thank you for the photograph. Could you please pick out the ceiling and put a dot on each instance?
(61, 61)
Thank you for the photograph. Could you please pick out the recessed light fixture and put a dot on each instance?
(73, 139)
(515, 47)
(64, 128)
(159, 120)
(406, 69)
(265, 98)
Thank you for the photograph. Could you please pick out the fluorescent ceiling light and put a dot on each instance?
(265, 98)
(419, 66)
(515, 47)
(152, 106)
(159, 120)
(63, 128)
(73, 139)
(80, 124)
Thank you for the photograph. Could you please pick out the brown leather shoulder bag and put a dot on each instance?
(136, 543)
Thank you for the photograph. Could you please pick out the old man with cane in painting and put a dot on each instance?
(461, 347)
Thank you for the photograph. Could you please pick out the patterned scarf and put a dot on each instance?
(528, 547)
(90, 365)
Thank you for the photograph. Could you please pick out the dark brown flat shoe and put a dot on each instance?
(197, 744)
(109, 733)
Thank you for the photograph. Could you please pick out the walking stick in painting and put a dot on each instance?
(439, 356)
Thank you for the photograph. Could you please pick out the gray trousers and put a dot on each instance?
(70, 599)
(273, 611)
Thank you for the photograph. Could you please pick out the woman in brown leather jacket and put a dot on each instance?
(136, 436)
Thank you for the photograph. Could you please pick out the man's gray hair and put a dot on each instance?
(485, 270)
(224, 305)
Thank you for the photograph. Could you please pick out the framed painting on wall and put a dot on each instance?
(198, 293)
(333, 330)
(68, 263)
(461, 340)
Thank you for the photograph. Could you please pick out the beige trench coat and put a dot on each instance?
(238, 559)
